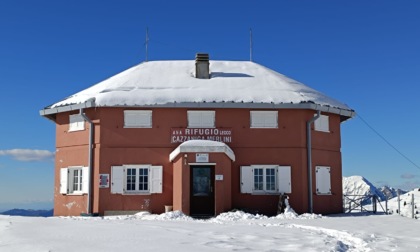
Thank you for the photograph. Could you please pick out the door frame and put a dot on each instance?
(212, 199)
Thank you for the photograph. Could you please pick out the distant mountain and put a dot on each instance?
(391, 192)
(356, 186)
(29, 212)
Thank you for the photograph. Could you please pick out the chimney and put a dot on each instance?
(202, 66)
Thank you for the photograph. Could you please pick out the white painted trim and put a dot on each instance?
(201, 163)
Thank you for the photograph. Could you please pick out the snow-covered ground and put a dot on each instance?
(231, 231)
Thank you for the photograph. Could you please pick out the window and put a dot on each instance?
(77, 180)
(323, 180)
(136, 179)
(137, 118)
(74, 180)
(264, 119)
(77, 122)
(201, 119)
(322, 124)
(265, 179)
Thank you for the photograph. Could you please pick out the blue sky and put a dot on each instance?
(363, 53)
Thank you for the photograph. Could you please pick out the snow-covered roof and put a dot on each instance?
(202, 146)
(172, 83)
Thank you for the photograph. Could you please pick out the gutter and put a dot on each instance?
(343, 112)
(91, 131)
(309, 149)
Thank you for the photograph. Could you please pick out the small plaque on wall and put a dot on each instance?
(219, 177)
(103, 180)
(202, 157)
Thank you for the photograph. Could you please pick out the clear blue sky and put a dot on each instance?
(363, 53)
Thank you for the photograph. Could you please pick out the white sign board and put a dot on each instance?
(219, 177)
(103, 180)
(202, 157)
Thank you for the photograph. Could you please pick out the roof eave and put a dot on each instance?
(344, 113)
(50, 113)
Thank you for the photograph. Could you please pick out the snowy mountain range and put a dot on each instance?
(28, 212)
(358, 185)
(356, 191)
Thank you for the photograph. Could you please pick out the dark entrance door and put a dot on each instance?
(202, 191)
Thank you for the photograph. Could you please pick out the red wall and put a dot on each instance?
(116, 145)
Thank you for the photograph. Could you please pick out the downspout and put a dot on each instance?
(90, 158)
(309, 149)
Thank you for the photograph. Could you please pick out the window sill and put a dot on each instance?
(263, 127)
(136, 193)
(138, 127)
(75, 130)
(75, 194)
(325, 131)
(265, 193)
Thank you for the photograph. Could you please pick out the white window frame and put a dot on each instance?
(322, 123)
(138, 119)
(119, 179)
(264, 181)
(323, 180)
(201, 118)
(282, 179)
(137, 176)
(76, 123)
(264, 119)
(68, 182)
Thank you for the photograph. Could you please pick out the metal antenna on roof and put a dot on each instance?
(250, 44)
(147, 42)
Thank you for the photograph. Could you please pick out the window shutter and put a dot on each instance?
(207, 119)
(322, 123)
(85, 180)
(77, 122)
(201, 119)
(64, 174)
(247, 179)
(193, 119)
(284, 179)
(156, 173)
(117, 179)
(323, 180)
(264, 119)
(138, 118)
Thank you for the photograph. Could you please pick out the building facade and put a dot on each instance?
(203, 137)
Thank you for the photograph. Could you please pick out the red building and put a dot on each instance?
(201, 136)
